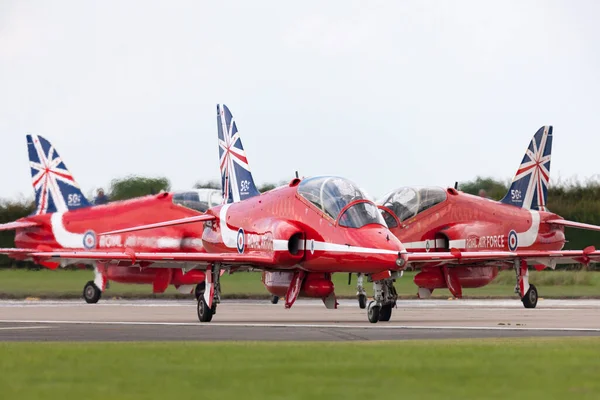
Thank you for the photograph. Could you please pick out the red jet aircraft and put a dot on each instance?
(435, 220)
(304, 231)
(65, 219)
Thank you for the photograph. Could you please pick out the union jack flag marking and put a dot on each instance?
(48, 174)
(530, 184)
(236, 178)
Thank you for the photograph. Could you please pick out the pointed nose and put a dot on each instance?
(383, 249)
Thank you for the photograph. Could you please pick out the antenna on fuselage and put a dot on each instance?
(297, 175)
(456, 185)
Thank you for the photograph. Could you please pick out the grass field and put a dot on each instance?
(21, 283)
(451, 369)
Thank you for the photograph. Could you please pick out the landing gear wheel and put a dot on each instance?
(386, 312)
(205, 313)
(274, 299)
(91, 293)
(199, 291)
(362, 301)
(531, 297)
(373, 312)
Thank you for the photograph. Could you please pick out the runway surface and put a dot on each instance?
(307, 320)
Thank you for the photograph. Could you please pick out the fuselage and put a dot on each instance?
(436, 219)
(468, 222)
(300, 234)
(67, 230)
(78, 229)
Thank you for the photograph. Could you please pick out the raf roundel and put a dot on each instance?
(241, 241)
(89, 240)
(513, 241)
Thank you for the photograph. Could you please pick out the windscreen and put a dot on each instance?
(330, 194)
(361, 214)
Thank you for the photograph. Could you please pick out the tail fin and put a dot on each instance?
(529, 187)
(236, 179)
(54, 186)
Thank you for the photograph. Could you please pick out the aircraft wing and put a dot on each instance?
(128, 258)
(573, 224)
(9, 226)
(532, 257)
(180, 221)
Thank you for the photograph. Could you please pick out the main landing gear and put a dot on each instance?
(199, 290)
(384, 299)
(211, 296)
(531, 297)
(91, 293)
(527, 292)
(205, 313)
(361, 293)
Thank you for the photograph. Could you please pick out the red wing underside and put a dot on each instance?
(146, 259)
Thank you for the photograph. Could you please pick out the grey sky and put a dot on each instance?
(384, 93)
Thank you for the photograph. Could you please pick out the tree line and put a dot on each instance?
(572, 200)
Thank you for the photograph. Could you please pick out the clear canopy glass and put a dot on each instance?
(198, 199)
(332, 194)
(407, 202)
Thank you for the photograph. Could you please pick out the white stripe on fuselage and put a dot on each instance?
(527, 238)
(70, 240)
(524, 239)
(64, 238)
(229, 237)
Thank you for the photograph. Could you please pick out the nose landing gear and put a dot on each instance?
(385, 296)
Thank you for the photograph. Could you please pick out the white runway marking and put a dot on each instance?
(14, 328)
(309, 326)
(544, 304)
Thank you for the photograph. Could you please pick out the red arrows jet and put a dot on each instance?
(303, 232)
(65, 219)
(435, 220)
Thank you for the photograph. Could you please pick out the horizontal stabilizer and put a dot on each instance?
(573, 224)
(10, 252)
(533, 257)
(174, 222)
(9, 226)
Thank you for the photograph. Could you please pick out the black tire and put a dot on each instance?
(362, 301)
(386, 312)
(531, 297)
(91, 293)
(274, 299)
(205, 314)
(199, 291)
(373, 312)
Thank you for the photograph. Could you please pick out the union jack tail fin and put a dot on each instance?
(236, 179)
(529, 187)
(54, 186)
